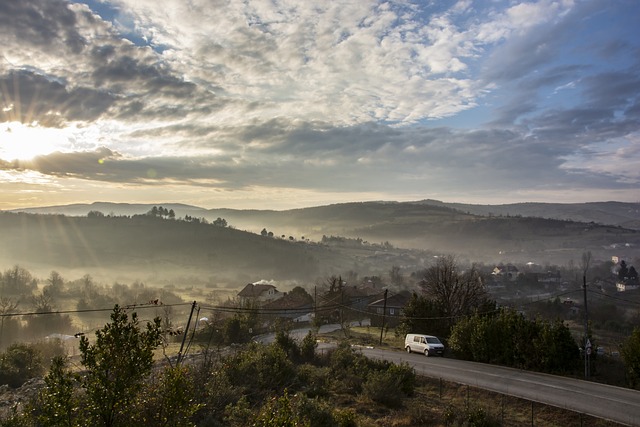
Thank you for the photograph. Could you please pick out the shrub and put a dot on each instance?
(168, 399)
(260, 369)
(385, 388)
(19, 363)
(406, 377)
(57, 403)
(315, 379)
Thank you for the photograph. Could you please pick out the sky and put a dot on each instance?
(282, 104)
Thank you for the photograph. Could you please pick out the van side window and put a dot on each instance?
(416, 339)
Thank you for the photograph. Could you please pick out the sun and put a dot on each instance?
(19, 141)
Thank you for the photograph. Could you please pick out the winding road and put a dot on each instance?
(616, 404)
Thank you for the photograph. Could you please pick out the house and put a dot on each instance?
(353, 300)
(506, 272)
(393, 313)
(260, 293)
(290, 306)
(627, 285)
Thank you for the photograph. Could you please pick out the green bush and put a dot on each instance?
(19, 363)
(315, 380)
(167, 399)
(406, 377)
(57, 403)
(385, 388)
(260, 369)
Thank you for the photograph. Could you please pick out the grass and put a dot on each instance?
(438, 403)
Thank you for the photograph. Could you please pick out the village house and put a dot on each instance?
(290, 306)
(393, 312)
(506, 272)
(260, 293)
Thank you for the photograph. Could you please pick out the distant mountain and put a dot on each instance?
(536, 232)
(621, 214)
(626, 215)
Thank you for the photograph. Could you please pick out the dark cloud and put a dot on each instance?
(48, 100)
(41, 24)
(412, 159)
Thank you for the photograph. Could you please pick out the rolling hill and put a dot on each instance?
(382, 234)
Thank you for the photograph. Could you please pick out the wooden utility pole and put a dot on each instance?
(186, 331)
(586, 260)
(384, 312)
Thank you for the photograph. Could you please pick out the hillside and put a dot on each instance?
(504, 234)
(626, 215)
(161, 251)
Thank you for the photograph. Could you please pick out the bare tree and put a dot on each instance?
(7, 306)
(456, 293)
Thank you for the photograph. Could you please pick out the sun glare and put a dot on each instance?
(23, 142)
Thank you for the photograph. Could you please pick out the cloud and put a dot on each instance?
(326, 97)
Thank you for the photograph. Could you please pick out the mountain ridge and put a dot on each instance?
(303, 244)
(615, 213)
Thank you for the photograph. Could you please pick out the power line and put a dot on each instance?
(92, 310)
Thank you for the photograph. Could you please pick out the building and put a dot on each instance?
(259, 293)
(393, 313)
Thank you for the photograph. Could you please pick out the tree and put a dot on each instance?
(46, 321)
(421, 314)
(220, 222)
(19, 363)
(264, 232)
(57, 403)
(301, 294)
(508, 338)
(117, 363)
(17, 280)
(55, 284)
(95, 214)
(395, 276)
(623, 271)
(455, 293)
(9, 327)
(630, 351)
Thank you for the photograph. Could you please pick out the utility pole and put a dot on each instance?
(586, 260)
(384, 312)
(186, 331)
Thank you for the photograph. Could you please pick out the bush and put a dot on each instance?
(260, 369)
(19, 363)
(406, 377)
(168, 399)
(57, 403)
(295, 410)
(385, 388)
(315, 380)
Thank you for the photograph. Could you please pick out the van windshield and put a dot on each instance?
(433, 340)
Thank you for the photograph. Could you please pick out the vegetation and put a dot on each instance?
(256, 385)
(509, 339)
(631, 355)
(451, 294)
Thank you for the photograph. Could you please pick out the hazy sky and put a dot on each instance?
(276, 104)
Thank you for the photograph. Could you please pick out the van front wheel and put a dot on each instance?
(408, 349)
(426, 352)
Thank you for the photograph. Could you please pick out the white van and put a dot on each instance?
(427, 344)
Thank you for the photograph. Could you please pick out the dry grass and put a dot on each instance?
(439, 403)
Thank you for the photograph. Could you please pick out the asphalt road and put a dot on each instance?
(616, 404)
